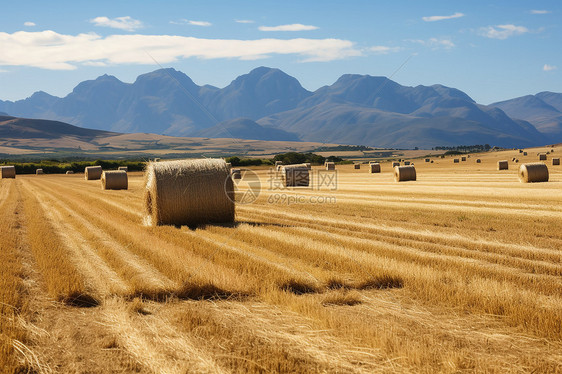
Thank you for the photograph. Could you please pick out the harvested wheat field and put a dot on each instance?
(459, 270)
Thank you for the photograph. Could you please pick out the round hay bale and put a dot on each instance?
(188, 192)
(406, 163)
(308, 165)
(229, 165)
(516, 160)
(123, 168)
(375, 168)
(404, 173)
(478, 161)
(542, 157)
(330, 166)
(394, 164)
(69, 172)
(114, 180)
(463, 158)
(534, 172)
(236, 173)
(520, 151)
(513, 159)
(456, 160)
(556, 161)
(357, 166)
(524, 153)
(7, 172)
(427, 160)
(295, 175)
(39, 172)
(503, 165)
(92, 173)
(432, 161)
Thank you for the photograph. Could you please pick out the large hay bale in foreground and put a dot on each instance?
(534, 172)
(39, 171)
(503, 165)
(92, 173)
(295, 175)
(404, 173)
(123, 168)
(542, 156)
(114, 180)
(188, 192)
(375, 168)
(330, 166)
(7, 172)
(556, 161)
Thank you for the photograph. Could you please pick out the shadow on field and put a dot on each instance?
(189, 291)
(80, 300)
(233, 225)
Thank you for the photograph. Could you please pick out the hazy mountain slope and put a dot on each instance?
(244, 128)
(543, 110)
(25, 128)
(356, 109)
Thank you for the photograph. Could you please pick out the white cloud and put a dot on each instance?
(534, 11)
(122, 23)
(441, 18)
(434, 43)
(3, 71)
(54, 51)
(200, 23)
(292, 27)
(383, 50)
(502, 31)
(548, 67)
(243, 21)
(29, 24)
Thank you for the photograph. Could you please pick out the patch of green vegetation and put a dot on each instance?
(343, 148)
(54, 166)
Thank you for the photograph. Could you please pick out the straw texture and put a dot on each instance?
(535, 172)
(295, 175)
(188, 192)
(404, 173)
(7, 172)
(114, 180)
(92, 173)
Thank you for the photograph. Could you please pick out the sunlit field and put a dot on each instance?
(457, 271)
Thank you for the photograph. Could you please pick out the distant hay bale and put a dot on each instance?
(297, 175)
(456, 160)
(375, 168)
(114, 180)
(330, 166)
(188, 192)
(432, 161)
(69, 172)
(503, 165)
(513, 159)
(404, 173)
(520, 151)
(308, 165)
(229, 165)
(7, 172)
(556, 161)
(478, 160)
(524, 153)
(357, 166)
(516, 160)
(406, 163)
(39, 171)
(468, 156)
(427, 160)
(534, 172)
(123, 168)
(236, 173)
(394, 164)
(463, 158)
(92, 173)
(442, 156)
(542, 157)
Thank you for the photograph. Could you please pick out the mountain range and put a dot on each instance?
(268, 104)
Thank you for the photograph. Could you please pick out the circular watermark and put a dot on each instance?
(245, 189)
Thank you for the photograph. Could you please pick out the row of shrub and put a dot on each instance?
(58, 167)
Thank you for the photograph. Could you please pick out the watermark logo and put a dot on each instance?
(246, 189)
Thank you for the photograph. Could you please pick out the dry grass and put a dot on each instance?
(457, 271)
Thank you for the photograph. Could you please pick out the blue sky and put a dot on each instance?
(491, 50)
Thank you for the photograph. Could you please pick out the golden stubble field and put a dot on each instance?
(457, 271)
